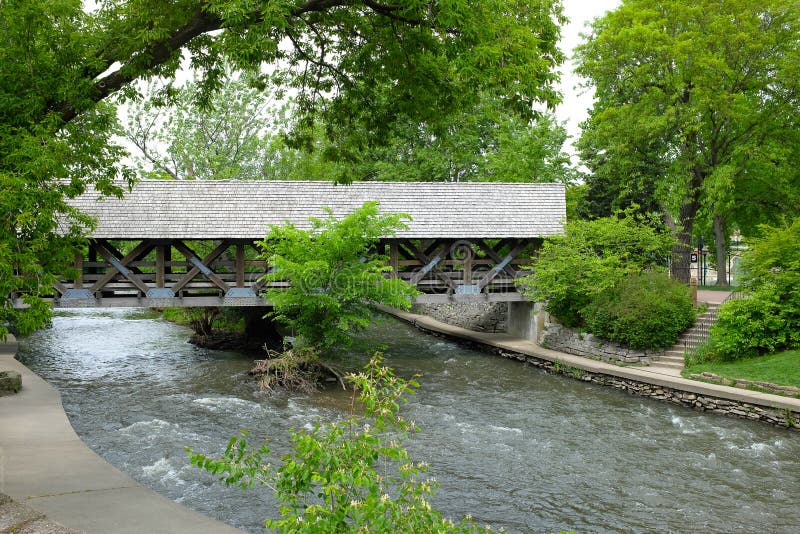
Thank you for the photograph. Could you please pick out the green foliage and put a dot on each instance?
(347, 476)
(591, 258)
(334, 274)
(229, 137)
(644, 311)
(480, 143)
(768, 320)
(693, 113)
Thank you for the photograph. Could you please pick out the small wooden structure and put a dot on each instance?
(192, 243)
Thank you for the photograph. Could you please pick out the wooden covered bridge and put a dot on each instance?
(192, 243)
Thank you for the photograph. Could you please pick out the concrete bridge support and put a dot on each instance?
(525, 320)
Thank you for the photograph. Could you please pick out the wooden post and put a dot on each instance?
(93, 258)
(168, 259)
(394, 259)
(239, 265)
(693, 287)
(78, 270)
(160, 266)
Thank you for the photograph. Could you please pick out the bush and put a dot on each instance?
(644, 311)
(591, 259)
(334, 275)
(769, 319)
(753, 326)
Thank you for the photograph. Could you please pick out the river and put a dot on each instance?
(511, 445)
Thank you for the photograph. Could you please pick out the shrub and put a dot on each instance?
(334, 275)
(753, 326)
(591, 259)
(769, 319)
(644, 311)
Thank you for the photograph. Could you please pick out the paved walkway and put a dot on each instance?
(46, 467)
(642, 374)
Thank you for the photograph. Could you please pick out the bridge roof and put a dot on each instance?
(238, 209)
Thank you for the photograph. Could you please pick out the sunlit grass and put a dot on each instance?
(782, 368)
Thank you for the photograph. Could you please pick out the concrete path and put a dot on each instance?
(46, 467)
(642, 374)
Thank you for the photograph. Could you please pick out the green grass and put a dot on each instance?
(781, 368)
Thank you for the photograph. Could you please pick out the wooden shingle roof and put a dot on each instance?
(235, 209)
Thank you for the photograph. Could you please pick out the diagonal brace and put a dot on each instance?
(497, 269)
(119, 266)
(200, 266)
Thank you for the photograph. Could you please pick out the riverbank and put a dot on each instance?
(45, 467)
(643, 381)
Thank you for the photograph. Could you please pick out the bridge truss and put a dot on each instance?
(179, 272)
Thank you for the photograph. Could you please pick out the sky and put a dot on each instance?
(577, 101)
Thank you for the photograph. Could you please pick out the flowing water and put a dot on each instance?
(509, 444)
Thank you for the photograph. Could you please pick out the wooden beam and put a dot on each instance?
(160, 266)
(497, 269)
(496, 257)
(117, 254)
(200, 266)
(58, 286)
(393, 259)
(118, 266)
(429, 265)
(78, 283)
(239, 265)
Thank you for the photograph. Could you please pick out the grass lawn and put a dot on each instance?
(782, 368)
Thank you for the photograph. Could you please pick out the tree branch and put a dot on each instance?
(160, 52)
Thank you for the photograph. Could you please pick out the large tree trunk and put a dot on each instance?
(680, 267)
(721, 242)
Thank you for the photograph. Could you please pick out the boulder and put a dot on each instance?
(10, 382)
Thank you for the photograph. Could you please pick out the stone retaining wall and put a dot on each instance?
(775, 416)
(563, 339)
(477, 316)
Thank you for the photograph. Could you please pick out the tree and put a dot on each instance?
(333, 275)
(354, 66)
(702, 99)
(232, 136)
(480, 143)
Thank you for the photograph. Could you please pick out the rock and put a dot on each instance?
(10, 382)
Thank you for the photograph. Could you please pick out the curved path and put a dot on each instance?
(46, 467)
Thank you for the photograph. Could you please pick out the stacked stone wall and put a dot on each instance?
(477, 316)
(563, 339)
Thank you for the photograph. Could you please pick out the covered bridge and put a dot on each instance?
(192, 243)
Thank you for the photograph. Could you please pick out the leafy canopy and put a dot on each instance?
(335, 272)
(696, 110)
